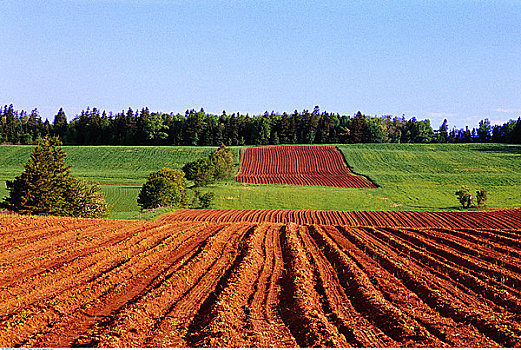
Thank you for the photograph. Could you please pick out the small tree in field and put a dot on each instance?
(46, 187)
(222, 160)
(203, 200)
(89, 201)
(218, 165)
(464, 196)
(482, 196)
(164, 188)
(206, 199)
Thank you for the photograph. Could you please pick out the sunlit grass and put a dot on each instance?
(410, 176)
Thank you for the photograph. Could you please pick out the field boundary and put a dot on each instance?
(354, 172)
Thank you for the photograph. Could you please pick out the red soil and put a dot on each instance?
(500, 219)
(326, 279)
(298, 165)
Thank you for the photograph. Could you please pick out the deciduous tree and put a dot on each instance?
(464, 196)
(164, 188)
(481, 197)
(199, 171)
(222, 162)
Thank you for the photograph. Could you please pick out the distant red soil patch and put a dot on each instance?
(298, 165)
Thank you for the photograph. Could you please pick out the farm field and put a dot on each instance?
(409, 176)
(423, 176)
(298, 165)
(263, 279)
(129, 165)
(500, 219)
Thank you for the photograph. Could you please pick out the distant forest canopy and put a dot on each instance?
(198, 128)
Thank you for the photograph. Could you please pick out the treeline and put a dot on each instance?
(198, 128)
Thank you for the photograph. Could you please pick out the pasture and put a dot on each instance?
(409, 176)
(128, 165)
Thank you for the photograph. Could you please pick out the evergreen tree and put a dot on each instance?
(46, 186)
(261, 130)
(358, 128)
(274, 140)
(130, 126)
(484, 131)
(443, 135)
(285, 131)
(60, 124)
(375, 131)
(516, 132)
(154, 128)
(233, 130)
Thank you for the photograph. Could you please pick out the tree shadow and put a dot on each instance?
(500, 149)
(427, 208)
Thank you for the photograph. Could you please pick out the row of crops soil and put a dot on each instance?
(250, 282)
(497, 219)
(298, 165)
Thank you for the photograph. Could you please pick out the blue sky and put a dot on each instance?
(430, 59)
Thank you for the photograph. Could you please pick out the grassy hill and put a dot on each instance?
(107, 164)
(410, 176)
(420, 176)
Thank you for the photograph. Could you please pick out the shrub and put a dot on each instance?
(46, 186)
(218, 165)
(206, 199)
(164, 188)
(89, 201)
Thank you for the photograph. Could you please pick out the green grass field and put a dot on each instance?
(421, 176)
(125, 166)
(410, 176)
(107, 164)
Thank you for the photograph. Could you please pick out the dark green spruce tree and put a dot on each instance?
(46, 187)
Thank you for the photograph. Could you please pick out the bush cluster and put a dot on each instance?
(465, 198)
(164, 188)
(167, 187)
(217, 166)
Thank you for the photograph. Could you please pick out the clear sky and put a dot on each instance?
(430, 59)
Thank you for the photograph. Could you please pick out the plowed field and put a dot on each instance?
(264, 280)
(500, 219)
(298, 165)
